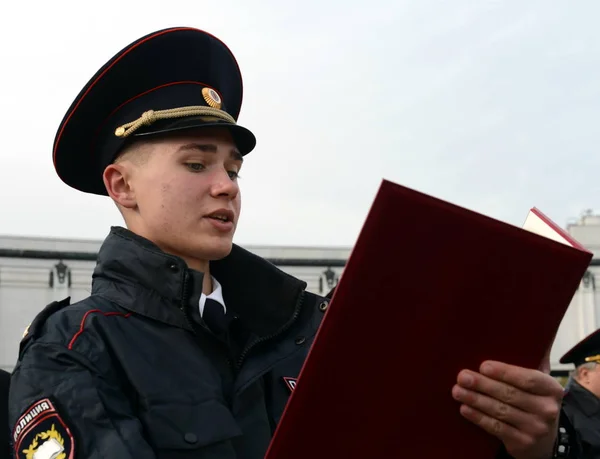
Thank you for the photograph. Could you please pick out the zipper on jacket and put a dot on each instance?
(262, 339)
(184, 296)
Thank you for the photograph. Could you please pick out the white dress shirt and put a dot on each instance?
(217, 295)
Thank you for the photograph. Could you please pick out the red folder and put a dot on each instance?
(430, 288)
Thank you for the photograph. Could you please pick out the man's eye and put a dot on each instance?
(233, 175)
(195, 167)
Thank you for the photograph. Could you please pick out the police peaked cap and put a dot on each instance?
(587, 350)
(170, 80)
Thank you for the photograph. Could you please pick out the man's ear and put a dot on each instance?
(582, 373)
(117, 180)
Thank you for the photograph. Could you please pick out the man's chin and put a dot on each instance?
(217, 251)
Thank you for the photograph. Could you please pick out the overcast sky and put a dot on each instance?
(491, 105)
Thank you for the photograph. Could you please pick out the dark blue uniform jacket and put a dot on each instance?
(133, 372)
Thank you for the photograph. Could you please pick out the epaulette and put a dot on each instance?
(36, 325)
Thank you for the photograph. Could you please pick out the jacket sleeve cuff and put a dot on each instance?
(568, 444)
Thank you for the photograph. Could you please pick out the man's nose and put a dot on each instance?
(224, 185)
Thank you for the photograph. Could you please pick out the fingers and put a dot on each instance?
(505, 395)
(494, 414)
(507, 433)
(530, 381)
(519, 406)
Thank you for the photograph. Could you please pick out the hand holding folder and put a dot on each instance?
(519, 406)
(447, 290)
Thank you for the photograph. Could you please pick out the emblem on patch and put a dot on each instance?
(42, 434)
(290, 383)
(211, 97)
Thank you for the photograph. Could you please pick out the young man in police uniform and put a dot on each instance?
(582, 396)
(188, 345)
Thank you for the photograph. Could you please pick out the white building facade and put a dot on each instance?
(37, 271)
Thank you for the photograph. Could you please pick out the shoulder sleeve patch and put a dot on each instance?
(41, 433)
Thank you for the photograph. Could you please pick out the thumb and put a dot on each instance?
(545, 363)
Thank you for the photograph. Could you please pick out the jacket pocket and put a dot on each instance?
(191, 426)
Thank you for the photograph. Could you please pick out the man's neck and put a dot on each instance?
(207, 283)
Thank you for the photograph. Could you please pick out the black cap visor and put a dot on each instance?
(243, 138)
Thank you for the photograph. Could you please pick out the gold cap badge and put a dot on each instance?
(211, 97)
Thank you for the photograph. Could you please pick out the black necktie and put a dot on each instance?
(214, 316)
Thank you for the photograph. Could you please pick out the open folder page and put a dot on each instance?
(430, 288)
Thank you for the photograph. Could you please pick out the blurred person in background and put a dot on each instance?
(581, 401)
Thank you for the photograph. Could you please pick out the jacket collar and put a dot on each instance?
(135, 273)
(588, 403)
